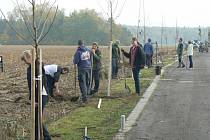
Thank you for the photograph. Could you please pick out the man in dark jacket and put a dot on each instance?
(96, 67)
(148, 49)
(180, 54)
(137, 61)
(53, 73)
(115, 59)
(82, 58)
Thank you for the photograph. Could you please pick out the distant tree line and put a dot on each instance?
(84, 24)
(169, 34)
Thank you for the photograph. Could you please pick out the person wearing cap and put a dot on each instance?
(96, 67)
(180, 54)
(190, 53)
(137, 61)
(82, 58)
(115, 59)
(27, 59)
(53, 73)
(148, 49)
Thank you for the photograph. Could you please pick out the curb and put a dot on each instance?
(134, 115)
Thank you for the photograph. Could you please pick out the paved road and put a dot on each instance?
(179, 109)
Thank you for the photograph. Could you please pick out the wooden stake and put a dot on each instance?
(110, 69)
(40, 95)
(99, 103)
(33, 81)
(85, 131)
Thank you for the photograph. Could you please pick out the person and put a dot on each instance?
(137, 61)
(53, 73)
(96, 67)
(190, 53)
(180, 54)
(115, 59)
(82, 58)
(26, 57)
(148, 49)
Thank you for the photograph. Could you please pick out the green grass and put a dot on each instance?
(103, 123)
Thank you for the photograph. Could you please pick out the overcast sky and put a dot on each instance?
(189, 13)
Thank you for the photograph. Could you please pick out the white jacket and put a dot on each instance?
(190, 49)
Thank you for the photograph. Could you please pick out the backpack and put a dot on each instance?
(142, 57)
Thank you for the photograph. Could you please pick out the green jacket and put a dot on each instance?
(97, 60)
(115, 51)
(180, 49)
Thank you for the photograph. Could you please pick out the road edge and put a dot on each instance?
(135, 114)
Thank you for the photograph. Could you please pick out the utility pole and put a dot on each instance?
(111, 18)
(110, 52)
(137, 35)
(144, 23)
(176, 36)
(161, 36)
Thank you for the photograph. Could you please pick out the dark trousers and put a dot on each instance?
(148, 60)
(45, 131)
(96, 79)
(84, 82)
(50, 84)
(181, 63)
(191, 61)
(114, 67)
(136, 72)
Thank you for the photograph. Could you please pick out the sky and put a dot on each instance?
(186, 13)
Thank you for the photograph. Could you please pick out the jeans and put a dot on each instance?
(136, 77)
(84, 82)
(50, 84)
(148, 60)
(96, 79)
(114, 67)
(191, 61)
(45, 131)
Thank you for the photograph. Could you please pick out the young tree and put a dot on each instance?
(38, 18)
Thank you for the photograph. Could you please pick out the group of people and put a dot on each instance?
(180, 53)
(88, 63)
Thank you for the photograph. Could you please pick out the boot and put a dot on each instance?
(179, 66)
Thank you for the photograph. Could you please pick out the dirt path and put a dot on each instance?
(180, 107)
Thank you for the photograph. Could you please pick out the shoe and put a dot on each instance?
(183, 66)
(178, 67)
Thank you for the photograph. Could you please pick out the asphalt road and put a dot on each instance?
(179, 108)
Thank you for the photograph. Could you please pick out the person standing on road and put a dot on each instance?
(180, 54)
(190, 53)
(137, 61)
(115, 59)
(26, 57)
(53, 73)
(82, 58)
(148, 49)
(96, 67)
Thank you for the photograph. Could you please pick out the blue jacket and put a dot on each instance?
(82, 58)
(148, 48)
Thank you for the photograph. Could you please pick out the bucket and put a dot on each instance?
(158, 70)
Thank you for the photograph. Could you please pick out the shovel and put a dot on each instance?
(127, 88)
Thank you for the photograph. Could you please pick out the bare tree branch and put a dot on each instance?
(20, 35)
(115, 9)
(24, 19)
(45, 21)
(39, 40)
(121, 10)
(104, 12)
(29, 1)
(41, 12)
